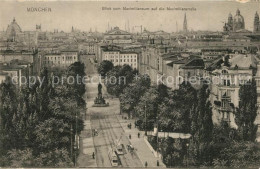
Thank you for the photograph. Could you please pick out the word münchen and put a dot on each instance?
(38, 9)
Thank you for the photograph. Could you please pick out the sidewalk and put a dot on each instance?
(86, 147)
(142, 150)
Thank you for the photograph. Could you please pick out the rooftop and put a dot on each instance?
(243, 61)
(196, 63)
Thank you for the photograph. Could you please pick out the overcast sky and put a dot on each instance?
(86, 15)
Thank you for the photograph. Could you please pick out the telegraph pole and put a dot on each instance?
(145, 119)
(71, 142)
(76, 141)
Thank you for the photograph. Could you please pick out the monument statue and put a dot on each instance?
(99, 88)
(100, 100)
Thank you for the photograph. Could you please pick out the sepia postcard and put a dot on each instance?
(129, 84)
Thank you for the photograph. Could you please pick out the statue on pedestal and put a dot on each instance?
(99, 89)
(99, 100)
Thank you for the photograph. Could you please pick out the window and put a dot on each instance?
(224, 72)
(228, 82)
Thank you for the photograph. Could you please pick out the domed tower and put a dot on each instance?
(13, 30)
(238, 21)
(256, 23)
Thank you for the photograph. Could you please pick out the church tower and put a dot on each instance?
(256, 23)
(38, 29)
(230, 19)
(185, 26)
(238, 21)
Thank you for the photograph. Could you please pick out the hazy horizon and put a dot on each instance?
(85, 15)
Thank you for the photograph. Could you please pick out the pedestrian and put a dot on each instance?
(130, 125)
(129, 136)
(158, 163)
(146, 164)
(93, 155)
(138, 135)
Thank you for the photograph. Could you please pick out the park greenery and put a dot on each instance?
(39, 123)
(104, 67)
(188, 110)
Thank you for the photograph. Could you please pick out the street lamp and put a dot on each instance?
(75, 154)
(187, 144)
(71, 142)
(130, 112)
(145, 119)
(120, 108)
(76, 141)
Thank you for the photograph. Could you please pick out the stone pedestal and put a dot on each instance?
(100, 101)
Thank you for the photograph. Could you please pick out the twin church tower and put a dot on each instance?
(237, 23)
(256, 23)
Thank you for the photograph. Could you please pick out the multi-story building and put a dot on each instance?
(119, 58)
(158, 37)
(177, 69)
(9, 55)
(17, 70)
(227, 77)
(213, 54)
(152, 60)
(117, 36)
(60, 60)
(89, 48)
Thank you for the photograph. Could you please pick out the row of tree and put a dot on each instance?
(39, 123)
(188, 110)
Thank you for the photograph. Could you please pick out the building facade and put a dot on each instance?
(117, 36)
(120, 58)
(62, 60)
(227, 78)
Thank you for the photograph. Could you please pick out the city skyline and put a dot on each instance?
(96, 18)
